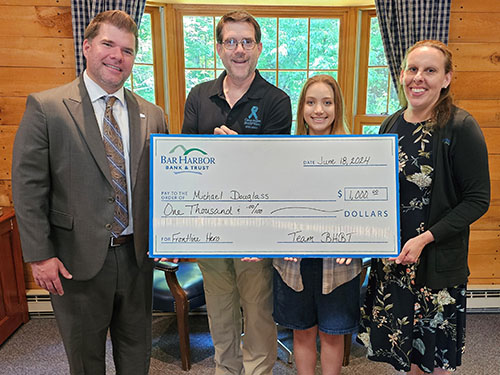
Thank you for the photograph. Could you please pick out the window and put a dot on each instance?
(377, 96)
(141, 81)
(297, 43)
(294, 49)
(381, 96)
(146, 79)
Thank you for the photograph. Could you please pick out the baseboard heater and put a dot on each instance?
(483, 300)
(479, 300)
(39, 305)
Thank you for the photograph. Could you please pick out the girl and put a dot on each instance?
(318, 296)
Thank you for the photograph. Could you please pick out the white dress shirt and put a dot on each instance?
(120, 112)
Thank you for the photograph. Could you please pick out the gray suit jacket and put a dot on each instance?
(61, 182)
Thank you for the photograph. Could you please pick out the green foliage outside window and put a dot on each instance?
(381, 97)
(324, 44)
(301, 48)
(199, 42)
(267, 59)
(142, 79)
(293, 43)
(293, 50)
(370, 129)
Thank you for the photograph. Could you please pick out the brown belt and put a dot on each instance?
(118, 241)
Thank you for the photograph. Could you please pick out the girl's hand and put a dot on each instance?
(347, 261)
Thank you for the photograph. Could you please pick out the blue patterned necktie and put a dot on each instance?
(113, 146)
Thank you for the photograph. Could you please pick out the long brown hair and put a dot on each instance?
(339, 125)
(441, 111)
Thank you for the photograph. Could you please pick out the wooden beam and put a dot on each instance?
(11, 110)
(476, 57)
(51, 3)
(49, 52)
(474, 27)
(492, 136)
(485, 242)
(489, 221)
(485, 6)
(7, 134)
(476, 85)
(36, 21)
(484, 266)
(494, 167)
(28, 80)
(486, 112)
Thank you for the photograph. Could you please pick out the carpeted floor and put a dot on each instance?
(36, 349)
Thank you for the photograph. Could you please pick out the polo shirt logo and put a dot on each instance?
(252, 120)
(254, 113)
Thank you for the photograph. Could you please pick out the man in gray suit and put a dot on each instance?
(81, 189)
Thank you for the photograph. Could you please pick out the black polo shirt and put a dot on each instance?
(263, 109)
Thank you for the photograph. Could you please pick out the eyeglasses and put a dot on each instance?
(231, 44)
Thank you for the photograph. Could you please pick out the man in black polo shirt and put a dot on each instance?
(240, 101)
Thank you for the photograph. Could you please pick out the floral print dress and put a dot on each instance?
(401, 323)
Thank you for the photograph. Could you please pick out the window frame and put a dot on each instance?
(174, 14)
(157, 41)
(361, 118)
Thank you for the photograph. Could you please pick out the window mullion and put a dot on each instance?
(215, 46)
(277, 50)
(308, 45)
(388, 93)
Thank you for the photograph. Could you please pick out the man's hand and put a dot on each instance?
(46, 274)
(224, 130)
(251, 259)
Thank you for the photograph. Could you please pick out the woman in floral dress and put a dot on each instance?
(414, 313)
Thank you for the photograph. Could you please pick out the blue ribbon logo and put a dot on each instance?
(254, 112)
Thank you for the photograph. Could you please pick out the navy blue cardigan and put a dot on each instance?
(460, 195)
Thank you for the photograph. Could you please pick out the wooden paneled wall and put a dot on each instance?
(36, 53)
(475, 42)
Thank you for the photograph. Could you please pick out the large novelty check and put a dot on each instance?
(274, 196)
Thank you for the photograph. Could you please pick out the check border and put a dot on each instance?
(196, 247)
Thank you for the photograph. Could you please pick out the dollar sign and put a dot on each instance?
(340, 193)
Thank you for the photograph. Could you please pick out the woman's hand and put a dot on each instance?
(413, 248)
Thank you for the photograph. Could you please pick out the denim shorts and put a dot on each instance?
(336, 313)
